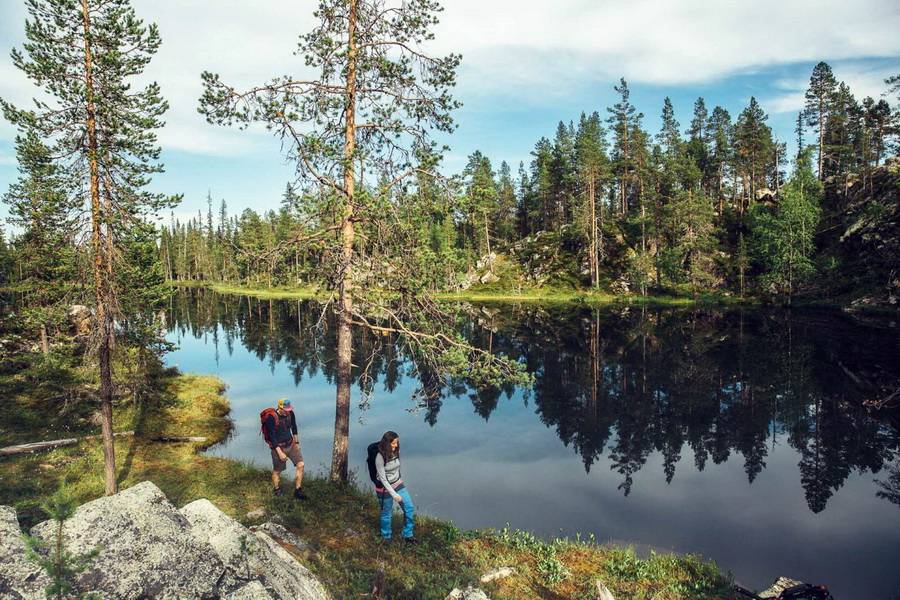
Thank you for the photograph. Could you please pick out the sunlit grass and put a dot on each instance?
(487, 294)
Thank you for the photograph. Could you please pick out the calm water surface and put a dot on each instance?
(739, 435)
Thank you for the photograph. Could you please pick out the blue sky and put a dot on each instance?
(526, 66)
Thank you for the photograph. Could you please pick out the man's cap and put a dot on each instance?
(284, 404)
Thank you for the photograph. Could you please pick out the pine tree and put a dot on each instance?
(541, 204)
(506, 204)
(43, 204)
(563, 176)
(783, 238)
(669, 135)
(698, 145)
(699, 121)
(754, 151)
(720, 132)
(874, 129)
(481, 201)
(592, 167)
(694, 238)
(622, 119)
(6, 260)
(819, 101)
(524, 200)
(84, 55)
(842, 134)
(372, 103)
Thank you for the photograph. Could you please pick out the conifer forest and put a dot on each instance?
(655, 358)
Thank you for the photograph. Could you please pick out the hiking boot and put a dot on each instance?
(299, 495)
(411, 541)
(276, 491)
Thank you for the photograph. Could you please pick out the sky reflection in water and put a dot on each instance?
(738, 435)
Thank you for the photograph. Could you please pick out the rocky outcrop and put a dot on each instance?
(550, 257)
(20, 579)
(149, 549)
(869, 236)
(80, 319)
(252, 554)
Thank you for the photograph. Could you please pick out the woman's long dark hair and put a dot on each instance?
(384, 446)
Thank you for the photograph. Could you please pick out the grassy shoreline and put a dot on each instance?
(527, 295)
(340, 522)
(561, 296)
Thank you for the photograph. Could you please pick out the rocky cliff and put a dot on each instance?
(868, 233)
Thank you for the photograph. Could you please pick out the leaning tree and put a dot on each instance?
(369, 102)
(84, 56)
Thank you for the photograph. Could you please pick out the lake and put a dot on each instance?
(737, 434)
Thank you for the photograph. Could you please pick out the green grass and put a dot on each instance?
(266, 293)
(340, 523)
(487, 294)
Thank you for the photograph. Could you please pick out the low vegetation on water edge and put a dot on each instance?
(487, 293)
(339, 522)
(257, 291)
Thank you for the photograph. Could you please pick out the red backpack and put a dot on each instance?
(263, 417)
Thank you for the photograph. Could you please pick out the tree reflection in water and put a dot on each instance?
(628, 382)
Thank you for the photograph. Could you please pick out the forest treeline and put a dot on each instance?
(611, 206)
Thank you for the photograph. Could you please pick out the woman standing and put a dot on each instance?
(390, 488)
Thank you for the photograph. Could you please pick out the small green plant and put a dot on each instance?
(450, 532)
(246, 552)
(548, 565)
(62, 566)
(623, 564)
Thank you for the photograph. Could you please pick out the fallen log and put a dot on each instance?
(176, 439)
(37, 446)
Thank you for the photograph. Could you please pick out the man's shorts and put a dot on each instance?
(292, 453)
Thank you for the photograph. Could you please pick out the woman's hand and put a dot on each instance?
(398, 498)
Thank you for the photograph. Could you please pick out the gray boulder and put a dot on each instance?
(470, 593)
(146, 548)
(252, 554)
(149, 549)
(20, 579)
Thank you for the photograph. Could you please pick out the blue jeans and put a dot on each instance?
(409, 512)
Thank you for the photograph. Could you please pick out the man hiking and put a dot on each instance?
(279, 428)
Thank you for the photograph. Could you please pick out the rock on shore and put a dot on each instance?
(149, 549)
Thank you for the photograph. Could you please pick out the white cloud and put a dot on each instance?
(863, 80)
(537, 51)
(243, 41)
(674, 42)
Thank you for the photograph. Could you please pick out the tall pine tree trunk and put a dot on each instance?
(100, 274)
(45, 341)
(593, 263)
(339, 462)
(821, 135)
